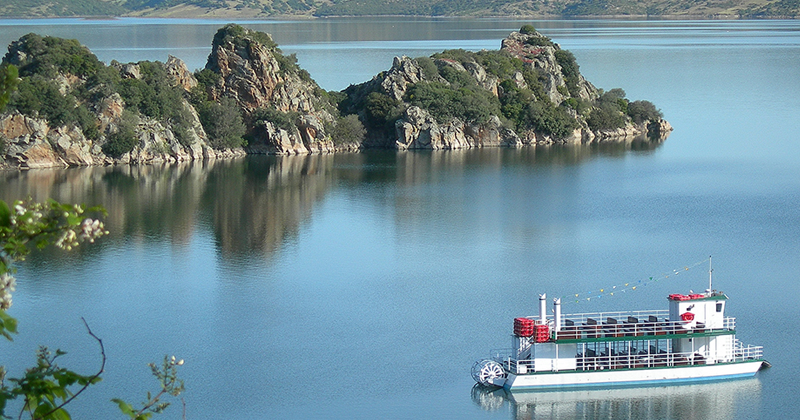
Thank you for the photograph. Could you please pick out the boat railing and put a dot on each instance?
(634, 360)
(742, 353)
(583, 318)
(641, 360)
(633, 326)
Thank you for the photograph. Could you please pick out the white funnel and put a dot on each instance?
(543, 308)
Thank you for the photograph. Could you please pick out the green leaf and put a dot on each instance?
(43, 408)
(74, 220)
(59, 414)
(7, 325)
(126, 408)
(5, 214)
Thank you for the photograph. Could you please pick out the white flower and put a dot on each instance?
(7, 285)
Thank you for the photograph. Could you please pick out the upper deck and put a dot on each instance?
(630, 325)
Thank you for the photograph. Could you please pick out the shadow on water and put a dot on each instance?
(256, 204)
(717, 400)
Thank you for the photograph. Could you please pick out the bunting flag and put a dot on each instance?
(626, 287)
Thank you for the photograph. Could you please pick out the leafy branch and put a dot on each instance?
(167, 375)
(45, 387)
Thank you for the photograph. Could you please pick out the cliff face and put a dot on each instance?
(253, 71)
(529, 49)
(252, 76)
(31, 143)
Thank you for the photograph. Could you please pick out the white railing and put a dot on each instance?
(619, 315)
(638, 361)
(634, 361)
(742, 352)
(593, 328)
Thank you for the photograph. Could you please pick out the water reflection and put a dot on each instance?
(719, 400)
(256, 204)
(251, 205)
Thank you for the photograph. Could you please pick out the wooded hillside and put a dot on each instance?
(477, 8)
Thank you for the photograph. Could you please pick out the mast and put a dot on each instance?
(710, 270)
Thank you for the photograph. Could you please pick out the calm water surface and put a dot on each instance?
(364, 286)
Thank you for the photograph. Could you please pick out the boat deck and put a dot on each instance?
(628, 357)
(637, 325)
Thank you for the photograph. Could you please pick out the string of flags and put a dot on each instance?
(626, 287)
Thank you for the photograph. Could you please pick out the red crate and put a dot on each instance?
(524, 327)
(542, 333)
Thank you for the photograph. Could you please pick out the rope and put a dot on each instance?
(625, 287)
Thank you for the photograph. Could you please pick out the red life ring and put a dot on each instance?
(687, 316)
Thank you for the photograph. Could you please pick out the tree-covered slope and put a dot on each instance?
(48, 8)
(477, 8)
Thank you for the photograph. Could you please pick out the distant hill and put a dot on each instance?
(476, 8)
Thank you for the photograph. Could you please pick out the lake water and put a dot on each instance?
(365, 285)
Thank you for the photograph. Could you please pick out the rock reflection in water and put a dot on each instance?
(254, 205)
(718, 400)
(257, 204)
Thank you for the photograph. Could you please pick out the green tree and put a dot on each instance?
(641, 111)
(124, 139)
(348, 130)
(381, 109)
(223, 123)
(280, 119)
(569, 69)
(551, 120)
(606, 117)
(610, 111)
(9, 79)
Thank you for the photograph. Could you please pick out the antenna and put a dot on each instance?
(710, 270)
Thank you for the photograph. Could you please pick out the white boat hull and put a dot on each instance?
(632, 377)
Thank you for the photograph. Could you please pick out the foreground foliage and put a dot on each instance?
(45, 389)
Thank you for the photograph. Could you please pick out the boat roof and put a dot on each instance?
(714, 295)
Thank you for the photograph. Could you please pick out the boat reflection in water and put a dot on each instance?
(718, 400)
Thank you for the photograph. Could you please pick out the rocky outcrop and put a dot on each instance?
(176, 68)
(539, 52)
(26, 143)
(286, 112)
(251, 73)
(404, 73)
(306, 137)
(417, 129)
(255, 73)
(31, 143)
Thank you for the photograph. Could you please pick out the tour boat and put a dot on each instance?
(691, 341)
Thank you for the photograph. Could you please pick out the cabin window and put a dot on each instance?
(719, 307)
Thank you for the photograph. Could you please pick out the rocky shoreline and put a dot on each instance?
(286, 113)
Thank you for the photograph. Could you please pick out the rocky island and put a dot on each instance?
(70, 109)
